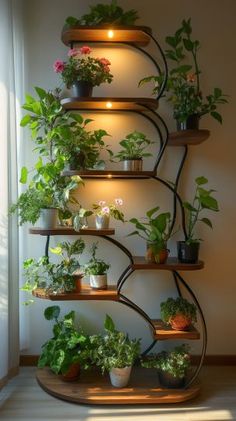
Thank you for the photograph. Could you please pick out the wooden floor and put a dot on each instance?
(24, 400)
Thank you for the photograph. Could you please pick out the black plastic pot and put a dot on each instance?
(187, 253)
(82, 89)
(167, 380)
(191, 123)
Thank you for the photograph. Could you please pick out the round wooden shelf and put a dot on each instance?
(106, 174)
(172, 263)
(188, 137)
(71, 231)
(109, 104)
(94, 389)
(137, 35)
(86, 293)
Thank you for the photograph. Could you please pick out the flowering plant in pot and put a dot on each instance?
(115, 352)
(104, 211)
(183, 88)
(156, 231)
(69, 348)
(188, 250)
(132, 154)
(102, 14)
(172, 366)
(97, 270)
(179, 313)
(83, 72)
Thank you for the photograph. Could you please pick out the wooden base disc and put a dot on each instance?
(94, 389)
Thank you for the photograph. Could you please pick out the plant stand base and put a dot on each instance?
(94, 389)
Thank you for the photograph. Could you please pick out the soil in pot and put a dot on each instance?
(187, 253)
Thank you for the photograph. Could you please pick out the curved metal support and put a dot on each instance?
(122, 281)
(149, 348)
(47, 245)
(165, 66)
(153, 122)
(146, 53)
(120, 246)
(177, 284)
(204, 329)
(138, 310)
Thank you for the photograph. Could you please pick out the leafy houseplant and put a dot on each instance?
(68, 349)
(103, 211)
(101, 14)
(183, 89)
(83, 71)
(115, 352)
(133, 153)
(203, 200)
(179, 313)
(156, 232)
(172, 366)
(97, 270)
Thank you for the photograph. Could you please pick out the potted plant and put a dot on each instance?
(81, 148)
(115, 352)
(133, 153)
(103, 211)
(188, 249)
(83, 72)
(156, 231)
(103, 14)
(179, 313)
(172, 366)
(183, 88)
(97, 270)
(68, 350)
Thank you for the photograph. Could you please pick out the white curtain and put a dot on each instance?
(11, 92)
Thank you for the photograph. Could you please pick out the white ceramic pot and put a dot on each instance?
(102, 222)
(48, 218)
(133, 165)
(98, 281)
(120, 376)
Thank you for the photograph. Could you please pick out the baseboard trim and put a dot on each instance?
(11, 373)
(32, 360)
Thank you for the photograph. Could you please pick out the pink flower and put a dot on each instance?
(73, 52)
(101, 203)
(106, 69)
(191, 77)
(85, 50)
(119, 202)
(104, 61)
(58, 66)
(106, 210)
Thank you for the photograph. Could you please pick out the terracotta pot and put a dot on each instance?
(155, 255)
(72, 374)
(82, 88)
(133, 165)
(180, 322)
(78, 282)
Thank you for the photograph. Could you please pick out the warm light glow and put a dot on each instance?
(109, 104)
(109, 176)
(110, 34)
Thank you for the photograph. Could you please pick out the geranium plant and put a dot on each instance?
(102, 208)
(183, 89)
(82, 67)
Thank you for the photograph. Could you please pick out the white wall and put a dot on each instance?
(213, 23)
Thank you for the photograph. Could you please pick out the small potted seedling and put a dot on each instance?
(179, 313)
(97, 270)
(132, 152)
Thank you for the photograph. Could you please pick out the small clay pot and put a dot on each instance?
(72, 374)
(154, 255)
(180, 322)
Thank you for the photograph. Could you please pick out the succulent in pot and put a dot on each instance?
(102, 14)
(69, 348)
(179, 313)
(104, 211)
(83, 72)
(156, 230)
(115, 352)
(172, 366)
(97, 270)
(183, 89)
(133, 153)
(203, 200)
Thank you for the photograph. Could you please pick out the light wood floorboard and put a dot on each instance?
(23, 400)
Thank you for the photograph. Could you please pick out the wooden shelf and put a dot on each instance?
(110, 174)
(94, 389)
(188, 137)
(172, 263)
(71, 231)
(138, 35)
(86, 293)
(164, 332)
(118, 104)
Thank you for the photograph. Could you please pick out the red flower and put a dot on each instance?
(104, 61)
(85, 50)
(58, 66)
(73, 52)
(191, 77)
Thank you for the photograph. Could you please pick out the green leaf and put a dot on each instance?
(189, 45)
(72, 21)
(207, 222)
(52, 312)
(209, 202)
(182, 69)
(41, 92)
(201, 180)
(217, 116)
(56, 250)
(24, 175)
(188, 206)
(25, 120)
(151, 212)
(217, 92)
(109, 324)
